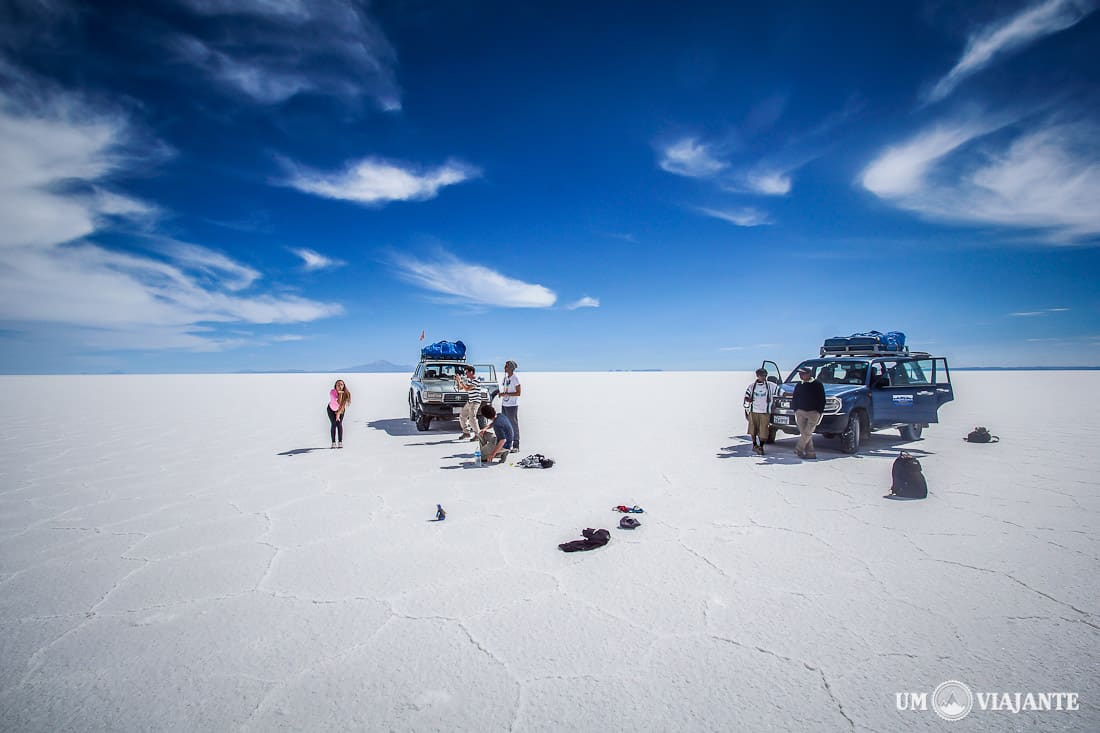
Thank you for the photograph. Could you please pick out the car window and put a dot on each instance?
(486, 373)
(918, 372)
(834, 372)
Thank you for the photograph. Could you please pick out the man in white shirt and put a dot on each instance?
(510, 390)
(758, 406)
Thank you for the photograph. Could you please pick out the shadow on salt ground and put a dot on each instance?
(782, 453)
(395, 426)
(300, 451)
(449, 441)
(470, 462)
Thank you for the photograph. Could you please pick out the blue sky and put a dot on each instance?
(216, 185)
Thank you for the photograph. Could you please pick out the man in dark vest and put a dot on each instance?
(809, 405)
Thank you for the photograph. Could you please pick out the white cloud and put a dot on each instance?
(57, 155)
(585, 302)
(1008, 35)
(375, 181)
(901, 170)
(317, 261)
(473, 284)
(1045, 311)
(771, 183)
(689, 157)
(263, 84)
(742, 217)
(1047, 178)
(274, 49)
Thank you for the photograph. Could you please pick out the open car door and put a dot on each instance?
(774, 375)
(911, 396)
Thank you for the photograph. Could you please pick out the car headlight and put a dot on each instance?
(430, 396)
(832, 405)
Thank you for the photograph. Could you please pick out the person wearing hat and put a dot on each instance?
(809, 405)
(510, 390)
(758, 408)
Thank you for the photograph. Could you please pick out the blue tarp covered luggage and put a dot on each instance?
(444, 350)
(867, 341)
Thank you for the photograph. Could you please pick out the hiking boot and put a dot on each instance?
(465, 436)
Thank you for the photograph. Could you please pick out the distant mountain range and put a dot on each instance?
(377, 367)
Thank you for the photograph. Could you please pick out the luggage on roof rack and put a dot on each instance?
(444, 350)
(869, 342)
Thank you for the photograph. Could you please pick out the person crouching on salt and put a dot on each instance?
(502, 427)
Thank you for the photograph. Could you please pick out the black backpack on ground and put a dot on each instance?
(909, 482)
(980, 435)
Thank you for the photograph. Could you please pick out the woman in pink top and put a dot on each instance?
(338, 400)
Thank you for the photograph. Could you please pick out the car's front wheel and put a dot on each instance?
(422, 421)
(853, 433)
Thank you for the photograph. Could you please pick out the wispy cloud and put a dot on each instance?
(374, 181)
(317, 261)
(58, 153)
(461, 282)
(691, 158)
(742, 217)
(1046, 178)
(1044, 312)
(585, 302)
(770, 183)
(1005, 36)
(272, 50)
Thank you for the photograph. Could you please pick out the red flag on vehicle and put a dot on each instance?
(421, 335)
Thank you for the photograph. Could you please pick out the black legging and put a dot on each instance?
(337, 425)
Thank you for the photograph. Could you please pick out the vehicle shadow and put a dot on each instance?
(395, 426)
(450, 441)
(827, 449)
(301, 451)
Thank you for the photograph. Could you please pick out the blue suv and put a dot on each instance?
(867, 391)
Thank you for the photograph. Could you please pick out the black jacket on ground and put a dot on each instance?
(593, 538)
(809, 396)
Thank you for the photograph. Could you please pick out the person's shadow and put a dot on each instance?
(300, 451)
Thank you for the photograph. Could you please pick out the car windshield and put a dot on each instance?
(834, 371)
(442, 371)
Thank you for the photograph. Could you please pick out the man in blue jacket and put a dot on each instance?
(809, 405)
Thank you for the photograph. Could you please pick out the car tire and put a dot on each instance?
(422, 421)
(853, 434)
(911, 432)
(412, 412)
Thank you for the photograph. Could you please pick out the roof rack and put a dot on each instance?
(876, 351)
(443, 358)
